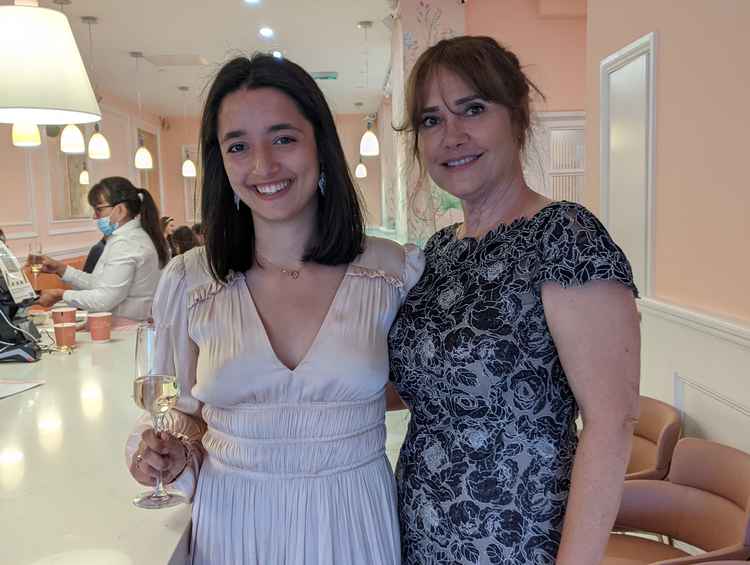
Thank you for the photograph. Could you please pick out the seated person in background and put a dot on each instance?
(183, 240)
(125, 277)
(198, 231)
(93, 257)
(2, 235)
(167, 228)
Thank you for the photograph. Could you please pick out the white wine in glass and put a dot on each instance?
(36, 259)
(156, 393)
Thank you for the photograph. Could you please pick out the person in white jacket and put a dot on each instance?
(127, 274)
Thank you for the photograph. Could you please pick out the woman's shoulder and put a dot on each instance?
(389, 260)
(566, 214)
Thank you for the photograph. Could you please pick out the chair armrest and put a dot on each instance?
(735, 552)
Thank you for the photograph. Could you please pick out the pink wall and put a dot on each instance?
(702, 200)
(551, 49)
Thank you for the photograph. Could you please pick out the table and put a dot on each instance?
(65, 491)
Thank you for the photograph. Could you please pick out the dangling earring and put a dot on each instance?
(322, 184)
(237, 201)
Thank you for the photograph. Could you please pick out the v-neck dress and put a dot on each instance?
(295, 470)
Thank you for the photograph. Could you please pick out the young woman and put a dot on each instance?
(525, 314)
(127, 273)
(280, 326)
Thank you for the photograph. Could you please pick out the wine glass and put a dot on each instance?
(36, 258)
(155, 390)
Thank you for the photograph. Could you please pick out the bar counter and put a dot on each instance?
(65, 493)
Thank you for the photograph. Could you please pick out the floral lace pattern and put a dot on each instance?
(484, 472)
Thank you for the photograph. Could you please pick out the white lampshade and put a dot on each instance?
(368, 145)
(25, 135)
(98, 147)
(143, 159)
(44, 80)
(84, 177)
(71, 140)
(188, 169)
(361, 171)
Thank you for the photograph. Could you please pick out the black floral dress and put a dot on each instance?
(484, 472)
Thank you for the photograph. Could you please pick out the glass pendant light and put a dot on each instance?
(83, 178)
(71, 140)
(368, 145)
(25, 135)
(98, 144)
(361, 171)
(188, 167)
(143, 158)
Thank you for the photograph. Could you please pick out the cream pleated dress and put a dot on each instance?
(295, 471)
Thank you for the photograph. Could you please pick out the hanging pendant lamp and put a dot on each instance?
(71, 140)
(46, 80)
(368, 145)
(98, 144)
(188, 167)
(143, 159)
(361, 171)
(83, 178)
(25, 135)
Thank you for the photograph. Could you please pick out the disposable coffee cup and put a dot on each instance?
(100, 326)
(63, 315)
(65, 335)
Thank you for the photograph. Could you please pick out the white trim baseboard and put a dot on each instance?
(734, 331)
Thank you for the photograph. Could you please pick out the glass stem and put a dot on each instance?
(159, 490)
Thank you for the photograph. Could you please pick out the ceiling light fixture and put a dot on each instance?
(188, 167)
(252, 1)
(361, 171)
(143, 158)
(83, 178)
(46, 80)
(72, 141)
(266, 32)
(368, 145)
(98, 144)
(278, 54)
(25, 135)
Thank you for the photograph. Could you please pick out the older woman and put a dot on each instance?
(525, 314)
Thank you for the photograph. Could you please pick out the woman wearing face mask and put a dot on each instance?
(125, 277)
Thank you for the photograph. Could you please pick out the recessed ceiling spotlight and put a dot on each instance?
(252, 1)
(278, 54)
(266, 32)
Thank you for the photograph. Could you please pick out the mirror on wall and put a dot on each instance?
(68, 195)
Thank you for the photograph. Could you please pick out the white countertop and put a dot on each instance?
(65, 492)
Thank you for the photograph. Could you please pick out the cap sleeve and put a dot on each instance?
(576, 248)
(413, 268)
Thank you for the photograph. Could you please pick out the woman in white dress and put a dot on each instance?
(280, 327)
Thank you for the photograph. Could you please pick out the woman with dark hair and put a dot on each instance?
(126, 276)
(167, 228)
(183, 240)
(280, 325)
(525, 314)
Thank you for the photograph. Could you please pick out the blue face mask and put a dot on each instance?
(105, 226)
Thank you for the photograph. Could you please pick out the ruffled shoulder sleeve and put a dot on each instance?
(576, 248)
(398, 265)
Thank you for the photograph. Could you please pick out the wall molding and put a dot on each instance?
(644, 46)
(67, 231)
(736, 332)
(21, 235)
(68, 253)
(680, 382)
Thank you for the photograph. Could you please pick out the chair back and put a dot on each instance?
(654, 438)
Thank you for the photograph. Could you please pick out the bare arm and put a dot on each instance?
(595, 329)
(393, 400)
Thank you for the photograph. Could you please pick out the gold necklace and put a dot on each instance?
(293, 273)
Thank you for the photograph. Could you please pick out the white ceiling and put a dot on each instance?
(320, 35)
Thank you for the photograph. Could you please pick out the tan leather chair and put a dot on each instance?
(654, 438)
(723, 563)
(705, 502)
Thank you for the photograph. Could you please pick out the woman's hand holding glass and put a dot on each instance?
(160, 456)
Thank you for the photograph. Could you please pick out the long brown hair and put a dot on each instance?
(493, 71)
